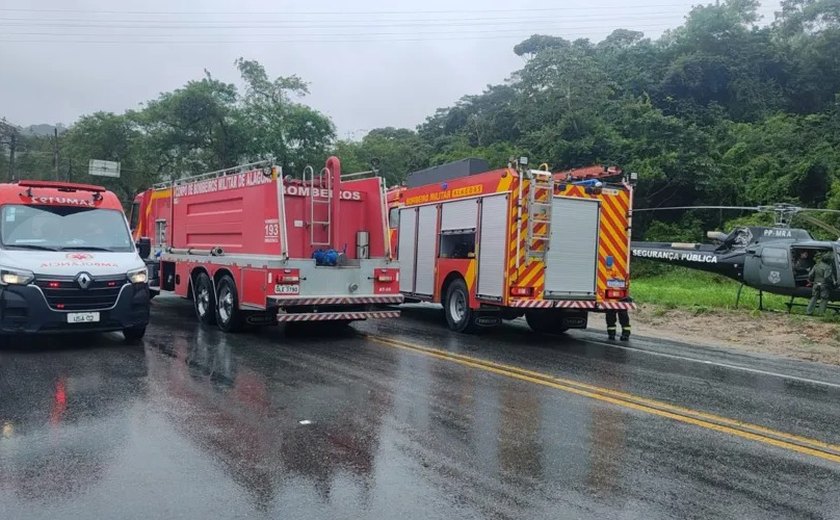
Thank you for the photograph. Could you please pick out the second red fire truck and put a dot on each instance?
(499, 244)
(249, 245)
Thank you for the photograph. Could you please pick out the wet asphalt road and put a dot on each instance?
(317, 423)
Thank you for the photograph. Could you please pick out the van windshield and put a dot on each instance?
(62, 228)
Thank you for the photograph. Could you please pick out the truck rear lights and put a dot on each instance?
(384, 280)
(285, 277)
(521, 291)
(616, 294)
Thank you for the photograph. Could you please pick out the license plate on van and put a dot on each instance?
(82, 317)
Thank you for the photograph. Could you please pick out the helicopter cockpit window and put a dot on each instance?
(774, 257)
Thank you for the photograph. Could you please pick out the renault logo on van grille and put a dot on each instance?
(84, 280)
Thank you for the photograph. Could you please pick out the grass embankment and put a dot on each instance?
(684, 288)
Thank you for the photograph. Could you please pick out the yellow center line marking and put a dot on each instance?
(745, 430)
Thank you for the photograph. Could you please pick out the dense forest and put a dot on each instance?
(721, 110)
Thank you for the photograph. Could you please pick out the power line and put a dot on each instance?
(327, 34)
(127, 24)
(343, 13)
(447, 36)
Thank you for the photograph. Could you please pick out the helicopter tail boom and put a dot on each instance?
(695, 256)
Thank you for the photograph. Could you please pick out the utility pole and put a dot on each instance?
(12, 146)
(11, 132)
(55, 152)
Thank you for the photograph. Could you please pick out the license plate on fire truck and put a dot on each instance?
(287, 289)
(82, 317)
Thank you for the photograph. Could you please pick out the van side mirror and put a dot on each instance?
(144, 247)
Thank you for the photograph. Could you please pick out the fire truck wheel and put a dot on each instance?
(456, 306)
(229, 317)
(204, 299)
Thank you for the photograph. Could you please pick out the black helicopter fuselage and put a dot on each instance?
(764, 258)
(704, 257)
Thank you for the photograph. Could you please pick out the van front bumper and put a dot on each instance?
(24, 310)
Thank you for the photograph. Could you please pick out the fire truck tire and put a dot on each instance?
(229, 316)
(204, 299)
(456, 306)
(544, 322)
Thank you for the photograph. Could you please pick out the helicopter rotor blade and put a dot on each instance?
(819, 223)
(817, 210)
(739, 208)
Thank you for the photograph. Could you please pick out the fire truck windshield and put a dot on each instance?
(63, 228)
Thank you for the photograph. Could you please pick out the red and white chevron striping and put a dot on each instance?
(336, 316)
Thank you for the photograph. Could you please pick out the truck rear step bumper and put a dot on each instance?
(571, 304)
(336, 300)
(336, 316)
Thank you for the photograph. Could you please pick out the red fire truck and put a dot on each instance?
(249, 245)
(500, 244)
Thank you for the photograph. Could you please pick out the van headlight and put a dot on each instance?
(15, 276)
(138, 275)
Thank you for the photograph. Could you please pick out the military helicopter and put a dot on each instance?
(770, 259)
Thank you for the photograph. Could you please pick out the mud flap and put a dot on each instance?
(575, 319)
(488, 320)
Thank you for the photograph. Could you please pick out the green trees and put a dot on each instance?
(204, 125)
(717, 111)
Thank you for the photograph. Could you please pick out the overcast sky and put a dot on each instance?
(369, 63)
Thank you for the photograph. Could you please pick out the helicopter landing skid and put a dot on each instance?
(760, 298)
(830, 307)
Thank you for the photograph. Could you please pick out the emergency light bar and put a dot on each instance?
(62, 186)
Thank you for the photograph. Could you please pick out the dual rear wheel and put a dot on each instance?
(219, 305)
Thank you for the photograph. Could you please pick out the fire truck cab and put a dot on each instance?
(249, 245)
(67, 262)
(500, 244)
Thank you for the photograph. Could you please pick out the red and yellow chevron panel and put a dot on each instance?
(613, 246)
(614, 240)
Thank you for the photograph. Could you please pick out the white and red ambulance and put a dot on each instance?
(68, 262)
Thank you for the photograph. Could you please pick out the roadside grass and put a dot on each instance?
(700, 292)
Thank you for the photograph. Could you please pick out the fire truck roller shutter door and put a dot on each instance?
(462, 214)
(406, 249)
(572, 259)
(426, 243)
(491, 253)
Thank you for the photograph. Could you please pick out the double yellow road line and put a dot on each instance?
(753, 432)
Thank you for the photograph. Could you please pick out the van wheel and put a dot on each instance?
(133, 334)
(456, 306)
(545, 322)
(204, 300)
(229, 317)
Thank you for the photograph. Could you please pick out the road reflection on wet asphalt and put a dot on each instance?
(315, 422)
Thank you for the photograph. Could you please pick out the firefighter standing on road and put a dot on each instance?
(624, 318)
(822, 278)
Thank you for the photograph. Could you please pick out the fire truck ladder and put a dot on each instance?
(540, 194)
(319, 195)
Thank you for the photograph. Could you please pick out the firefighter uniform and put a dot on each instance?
(623, 318)
(822, 278)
